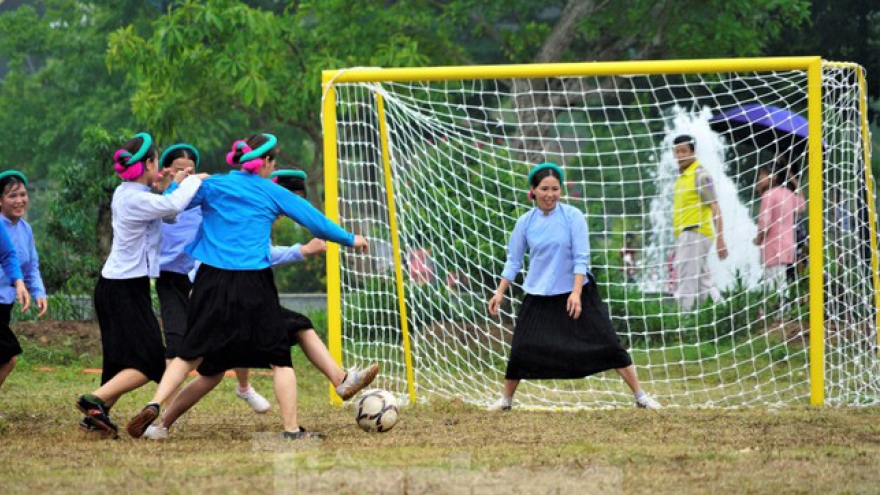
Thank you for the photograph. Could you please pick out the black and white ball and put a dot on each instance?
(376, 411)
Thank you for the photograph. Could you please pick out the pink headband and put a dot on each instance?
(248, 166)
(126, 172)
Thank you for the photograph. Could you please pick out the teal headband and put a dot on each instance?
(293, 174)
(14, 173)
(145, 146)
(253, 154)
(178, 146)
(545, 166)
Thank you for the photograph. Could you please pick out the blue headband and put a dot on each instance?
(14, 173)
(145, 146)
(268, 145)
(179, 146)
(545, 166)
(294, 174)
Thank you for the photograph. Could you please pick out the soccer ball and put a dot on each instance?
(376, 411)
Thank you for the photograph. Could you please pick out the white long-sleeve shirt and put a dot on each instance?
(137, 218)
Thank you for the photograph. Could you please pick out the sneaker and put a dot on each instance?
(356, 380)
(257, 402)
(138, 424)
(94, 409)
(502, 404)
(302, 434)
(88, 426)
(156, 432)
(647, 402)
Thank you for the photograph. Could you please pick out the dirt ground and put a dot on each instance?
(82, 336)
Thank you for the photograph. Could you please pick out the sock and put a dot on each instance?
(640, 394)
(242, 390)
(507, 400)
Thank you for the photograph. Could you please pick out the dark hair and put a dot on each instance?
(254, 141)
(178, 153)
(8, 183)
(543, 174)
(133, 145)
(295, 185)
(685, 139)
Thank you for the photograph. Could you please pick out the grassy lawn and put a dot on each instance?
(442, 447)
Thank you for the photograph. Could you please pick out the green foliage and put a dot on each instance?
(78, 221)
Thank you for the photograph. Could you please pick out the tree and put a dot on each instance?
(57, 83)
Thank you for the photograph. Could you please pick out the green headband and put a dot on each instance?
(179, 146)
(293, 174)
(14, 173)
(268, 145)
(545, 166)
(145, 146)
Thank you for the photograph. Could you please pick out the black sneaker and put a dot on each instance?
(302, 434)
(89, 427)
(138, 424)
(96, 412)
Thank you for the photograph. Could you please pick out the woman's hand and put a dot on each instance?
(315, 246)
(42, 305)
(22, 295)
(495, 303)
(361, 244)
(573, 305)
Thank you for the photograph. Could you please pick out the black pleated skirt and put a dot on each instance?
(130, 333)
(173, 290)
(9, 346)
(235, 320)
(548, 343)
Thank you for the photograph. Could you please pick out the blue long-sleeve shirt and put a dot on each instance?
(21, 238)
(559, 248)
(238, 210)
(175, 237)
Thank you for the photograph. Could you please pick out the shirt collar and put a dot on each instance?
(135, 185)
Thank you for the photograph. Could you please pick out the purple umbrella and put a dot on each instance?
(764, 126)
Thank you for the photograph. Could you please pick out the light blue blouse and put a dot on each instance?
(22, 237)
(559, 248)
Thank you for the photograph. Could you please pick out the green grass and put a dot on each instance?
(445, 446)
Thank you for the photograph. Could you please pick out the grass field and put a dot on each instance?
(444, 447)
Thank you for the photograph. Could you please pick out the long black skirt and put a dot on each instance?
(248, 357)
(235, 317)
(130, 333)
(173, 290)
(9, 346)
(548, 343)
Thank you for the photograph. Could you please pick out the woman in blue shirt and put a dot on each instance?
(302, 332)
(234, 310)
(21, 266)
(563, 330)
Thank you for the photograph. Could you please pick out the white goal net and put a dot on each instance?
(459, 148)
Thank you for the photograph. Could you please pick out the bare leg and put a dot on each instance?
(315, 350)
(6, 369)
(242, 375)
(124, 381)
(509, 388)
(631, 377)
(285, 393)
(189, 396)
(175, 375)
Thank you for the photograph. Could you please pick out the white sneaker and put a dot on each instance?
(502, 404)
(648, 402)
(356, 380)
(156, 432)
(257, 402)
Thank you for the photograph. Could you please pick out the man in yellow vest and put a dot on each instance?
(695, 210)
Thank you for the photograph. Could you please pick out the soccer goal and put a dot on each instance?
(431, 163)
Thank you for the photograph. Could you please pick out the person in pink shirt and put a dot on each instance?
(780, 207)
